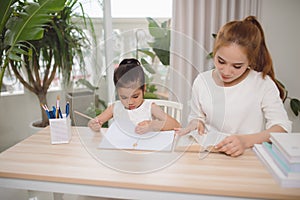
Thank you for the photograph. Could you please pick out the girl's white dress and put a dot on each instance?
(143, 112)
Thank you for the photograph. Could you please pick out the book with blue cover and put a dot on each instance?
(289, 169)
(288, 144)
(279, 176)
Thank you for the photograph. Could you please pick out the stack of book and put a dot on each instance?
(282, 158)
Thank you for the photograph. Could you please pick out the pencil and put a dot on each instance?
(83, 115)
(57, 106)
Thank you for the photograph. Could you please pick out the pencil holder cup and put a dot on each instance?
(60, 130)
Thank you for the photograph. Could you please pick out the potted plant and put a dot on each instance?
(159, 50)
(39, 39)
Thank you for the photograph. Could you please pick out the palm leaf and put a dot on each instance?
(24, 26)
(29, 24)
(5, 12)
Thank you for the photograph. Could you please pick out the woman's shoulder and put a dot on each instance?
(204, 75)
(257, 79)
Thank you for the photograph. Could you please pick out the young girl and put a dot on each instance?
(241, 95)
(129, 80)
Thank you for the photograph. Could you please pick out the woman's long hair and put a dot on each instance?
(249, 34)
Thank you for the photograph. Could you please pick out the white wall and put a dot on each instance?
(280, 20)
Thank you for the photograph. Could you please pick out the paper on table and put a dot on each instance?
(208, 140)
(121, 135)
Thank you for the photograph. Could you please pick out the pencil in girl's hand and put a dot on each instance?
(83, 115)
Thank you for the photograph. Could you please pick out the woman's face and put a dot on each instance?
(231, 63)
(131, 98)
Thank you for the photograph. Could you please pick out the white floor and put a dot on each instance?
(14, 194)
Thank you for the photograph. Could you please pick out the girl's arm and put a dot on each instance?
(161, 122)
(166, 121)
(96, 123)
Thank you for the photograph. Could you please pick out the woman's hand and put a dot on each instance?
(193, 125)
(233, 145)
(95, 124)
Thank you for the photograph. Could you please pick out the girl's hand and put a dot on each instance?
(233, 145)
(95, 124)
(143, 127)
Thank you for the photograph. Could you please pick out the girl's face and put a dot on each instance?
(231, 64)
(131, 98)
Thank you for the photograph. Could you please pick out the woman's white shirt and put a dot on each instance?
(247, 107)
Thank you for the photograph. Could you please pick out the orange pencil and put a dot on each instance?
(57, 107)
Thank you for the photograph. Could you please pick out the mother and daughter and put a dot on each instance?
(240, 96)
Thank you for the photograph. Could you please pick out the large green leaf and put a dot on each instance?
(5, 12)
(29, 24)
(147, 52)
(23, 26)
(147, 66)
(295, 106)
(162, 37)
(154, 28)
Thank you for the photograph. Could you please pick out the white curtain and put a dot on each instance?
(193, 23)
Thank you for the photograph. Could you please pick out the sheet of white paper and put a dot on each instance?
(208, 140)
(121, 135)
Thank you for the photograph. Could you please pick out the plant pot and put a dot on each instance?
(34, 129)
(80, 101)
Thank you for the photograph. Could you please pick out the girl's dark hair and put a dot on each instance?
(248, 33)
(129, 74)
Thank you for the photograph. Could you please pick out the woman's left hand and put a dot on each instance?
(233, 145)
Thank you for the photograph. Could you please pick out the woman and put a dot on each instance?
(241, 95)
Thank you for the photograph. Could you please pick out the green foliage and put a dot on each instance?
(41, 37)
(147, 66)
(22, 22)
(295, 106)
(162, 39)
(210, 55)
(93, 111)
(294, 103)
(87, 84)
(160, 46)
(150, 92)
